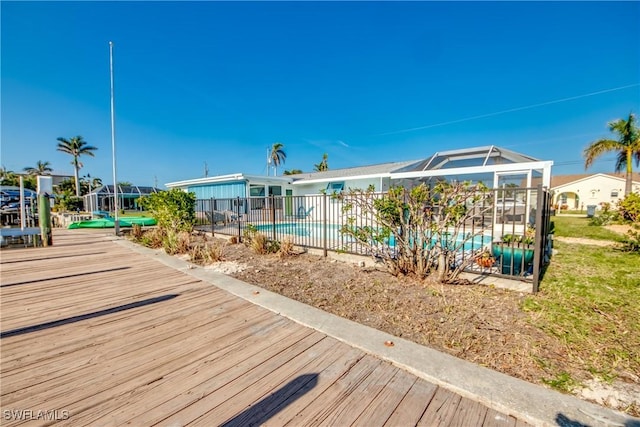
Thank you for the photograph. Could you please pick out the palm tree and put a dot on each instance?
(292, 172)
(7, 177)
(277, 156)
(627, 146)
(76, 147)
(323, 165)
(42, 168)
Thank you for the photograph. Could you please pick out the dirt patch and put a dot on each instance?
(618, 228)
(583, 241)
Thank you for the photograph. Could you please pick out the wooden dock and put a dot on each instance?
(95, 334)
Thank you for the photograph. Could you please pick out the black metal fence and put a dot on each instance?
(510, 227)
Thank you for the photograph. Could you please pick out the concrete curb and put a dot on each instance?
(526, 401)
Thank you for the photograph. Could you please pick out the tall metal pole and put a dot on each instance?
(116, 224)
(268, 161)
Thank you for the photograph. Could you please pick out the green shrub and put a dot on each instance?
(177, 243)
(605, 217)
(248, 234)
(629, 207)
(174, 210)
(258, 242)
(70, 203)
(631, 241)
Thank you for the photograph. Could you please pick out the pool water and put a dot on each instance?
(316, 230)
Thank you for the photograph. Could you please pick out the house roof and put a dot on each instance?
(561, 180)
(469, 157)
(485, 159)
(379, 170)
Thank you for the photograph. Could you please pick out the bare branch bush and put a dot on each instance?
(420, 230)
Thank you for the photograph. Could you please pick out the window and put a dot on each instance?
(335, 187)
(614, 193)
(275, 190)
(256, 190)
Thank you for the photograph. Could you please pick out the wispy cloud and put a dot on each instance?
(511, 110)
(325, 143)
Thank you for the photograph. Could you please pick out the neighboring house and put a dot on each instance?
(56, 177)
(580, 191)
(494, 166)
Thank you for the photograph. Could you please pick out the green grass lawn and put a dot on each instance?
(589, 299)
(576, 226)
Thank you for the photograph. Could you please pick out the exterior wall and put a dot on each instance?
(318, 187)
(594, 190)
(226, 190)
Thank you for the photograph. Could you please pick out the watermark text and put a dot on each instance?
(35, 414)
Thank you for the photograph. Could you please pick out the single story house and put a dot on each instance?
(579, 191)
(496, 167)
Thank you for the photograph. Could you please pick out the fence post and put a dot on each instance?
(238, 215)
(539, 239)
(272, 202)
(324, 224)
(211, 209)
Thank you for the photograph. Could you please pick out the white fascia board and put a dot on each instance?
(208, 180)
(544, 165)
(268, 179)
(341, 178)
(230, 177)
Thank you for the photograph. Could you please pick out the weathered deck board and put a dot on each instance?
(385, 403)
(441, 409)
(112, 337)
(413, 405)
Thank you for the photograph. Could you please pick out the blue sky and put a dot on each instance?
(364, 82)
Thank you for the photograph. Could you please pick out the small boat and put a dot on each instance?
(108, 222)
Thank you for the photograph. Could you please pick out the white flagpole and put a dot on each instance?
(268, 161)
(116, 225)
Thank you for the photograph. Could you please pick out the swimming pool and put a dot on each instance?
(315, 231)
(302, 229)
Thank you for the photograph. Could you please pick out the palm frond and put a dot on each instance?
(621, 161)
(598, 148)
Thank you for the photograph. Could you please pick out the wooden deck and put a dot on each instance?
(95, 334)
